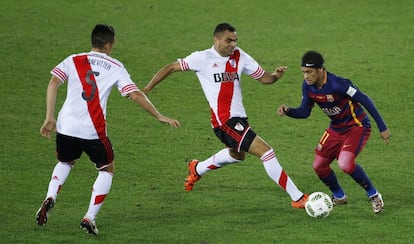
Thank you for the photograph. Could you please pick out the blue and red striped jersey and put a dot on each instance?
(341, 101)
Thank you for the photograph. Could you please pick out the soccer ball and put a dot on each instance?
(318, 205)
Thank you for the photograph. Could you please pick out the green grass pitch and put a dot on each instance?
(370, 42)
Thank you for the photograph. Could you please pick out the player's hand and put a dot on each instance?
(171, 122)
(385, 135)
(279, 72)
(47, 128)
(282, 110)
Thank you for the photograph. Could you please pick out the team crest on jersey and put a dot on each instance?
(233, 63)
(239, 127)
(330, 98)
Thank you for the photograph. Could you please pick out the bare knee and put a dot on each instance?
(237, 155)
(110, 168)
(259, 147)
(346, 162)
(321, 166)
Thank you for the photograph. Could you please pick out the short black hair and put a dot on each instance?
(220, 28)
(312, 59)
(101, 35)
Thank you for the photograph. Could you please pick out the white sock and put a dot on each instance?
(216, 161)
(59, 175)
(100, 189)
(278, 175)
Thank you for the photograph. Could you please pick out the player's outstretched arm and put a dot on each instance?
(141, 99)
(163, 73)
(270, 78)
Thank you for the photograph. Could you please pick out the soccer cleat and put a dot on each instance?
(192, 177)
(301, 202)
(339, 201)
(42, 214)
(377, 203)
(89, 226)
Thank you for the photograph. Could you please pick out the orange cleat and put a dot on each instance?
(192, 177)
(301, 202)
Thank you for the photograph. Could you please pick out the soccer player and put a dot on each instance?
(348, 131)
(219, 70)
(81, 123)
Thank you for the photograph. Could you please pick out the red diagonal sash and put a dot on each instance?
(226, 90)
(91, 94)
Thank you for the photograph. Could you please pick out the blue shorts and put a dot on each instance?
(236, 134)
(70, 148)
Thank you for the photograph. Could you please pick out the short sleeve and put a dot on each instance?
(193, 62)
(251, 67)
(125, 85)
(62, 70)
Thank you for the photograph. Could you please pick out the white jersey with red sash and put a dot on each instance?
(90, 78)
(220, 80)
